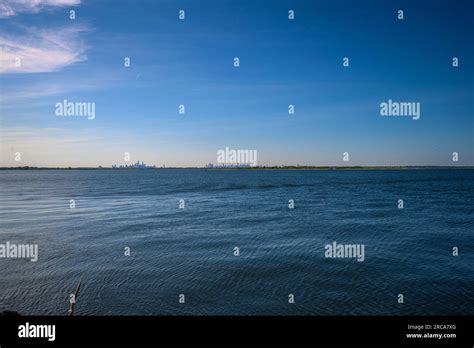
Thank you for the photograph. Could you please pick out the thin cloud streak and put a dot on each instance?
(42, 51)
(9, 8)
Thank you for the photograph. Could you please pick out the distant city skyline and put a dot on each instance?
(137, 165)
(341, 77)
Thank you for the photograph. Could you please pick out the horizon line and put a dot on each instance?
(255, 167)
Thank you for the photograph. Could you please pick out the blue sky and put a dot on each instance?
(282, 62)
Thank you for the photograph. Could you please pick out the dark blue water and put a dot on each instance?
(191, 251)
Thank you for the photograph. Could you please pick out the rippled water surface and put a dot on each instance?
(190, 251)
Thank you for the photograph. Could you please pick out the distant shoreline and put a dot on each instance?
(322, 168)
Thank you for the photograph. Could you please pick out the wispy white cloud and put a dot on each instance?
(40, 50)
(10, 8)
